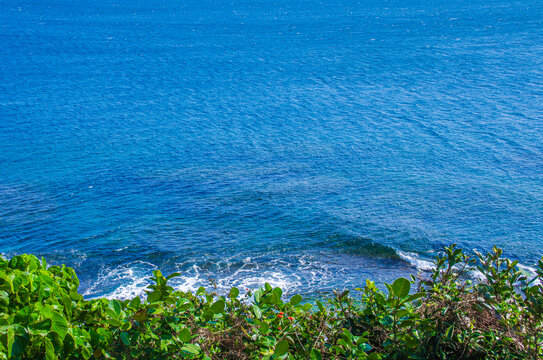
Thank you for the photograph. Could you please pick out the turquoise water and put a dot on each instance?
(311, 144)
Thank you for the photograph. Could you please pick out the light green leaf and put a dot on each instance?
(296, 299)
(401, 287)
(49, 349)
(192, 349)
(59, 324)
(172, 275)
(257, 312)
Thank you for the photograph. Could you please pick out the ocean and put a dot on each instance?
(310, 144)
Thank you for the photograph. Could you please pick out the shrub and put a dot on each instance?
(443, 316)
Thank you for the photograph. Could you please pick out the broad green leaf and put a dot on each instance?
(257, 311)
(49, 349)
(234, 292)
(140, 315)
(257, 296)
(17, 339)
(218, 307)
(135, 302)
(125, 339)
(59, 324)
(315, 355)
(115, 307)
(208, 315)
(4, 298)
(281, 348)
(114, 322)
(154, 296)
(296, 299)
(401, 287)
(185, 335)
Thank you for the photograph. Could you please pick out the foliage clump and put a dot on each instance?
(444, 316)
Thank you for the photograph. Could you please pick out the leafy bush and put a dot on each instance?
(443, 316)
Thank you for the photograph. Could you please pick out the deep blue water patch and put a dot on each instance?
(310, 143)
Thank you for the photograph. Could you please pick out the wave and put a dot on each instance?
(417, 261)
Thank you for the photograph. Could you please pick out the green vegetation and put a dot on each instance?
(445, 316)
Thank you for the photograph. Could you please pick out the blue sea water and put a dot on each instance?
(311, 144)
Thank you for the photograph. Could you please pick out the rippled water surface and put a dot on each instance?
(311, 144)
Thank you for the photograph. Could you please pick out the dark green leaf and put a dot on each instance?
(281, 348)
(185, 335)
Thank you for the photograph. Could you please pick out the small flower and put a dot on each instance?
(280, 312)
(290, 318)
(279, 315)
(279, 327)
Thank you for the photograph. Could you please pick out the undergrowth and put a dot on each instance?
(442, 316)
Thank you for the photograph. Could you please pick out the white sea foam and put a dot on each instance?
(530, 273)
(122, 282)
(416, 261)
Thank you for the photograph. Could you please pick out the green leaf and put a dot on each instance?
(208, 315)
(185, 335)
(192, 349)
(257, 296)
(17, 339)
(4, 298)
(172, 275)
(296, 299)
(59, 324)
(401, 287)
(257, 312)
(315, 355)
(140, 315)
(115, 307)
(415, 297)
(201, 290)
(264, 328)
(281, 348)
(449, 333)
(154, 296)
(234, 292)
(86, 352)
(125, 339)
(114, 322)
(319, 305)
(135, 302)
(49, 349)
(218, 307)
